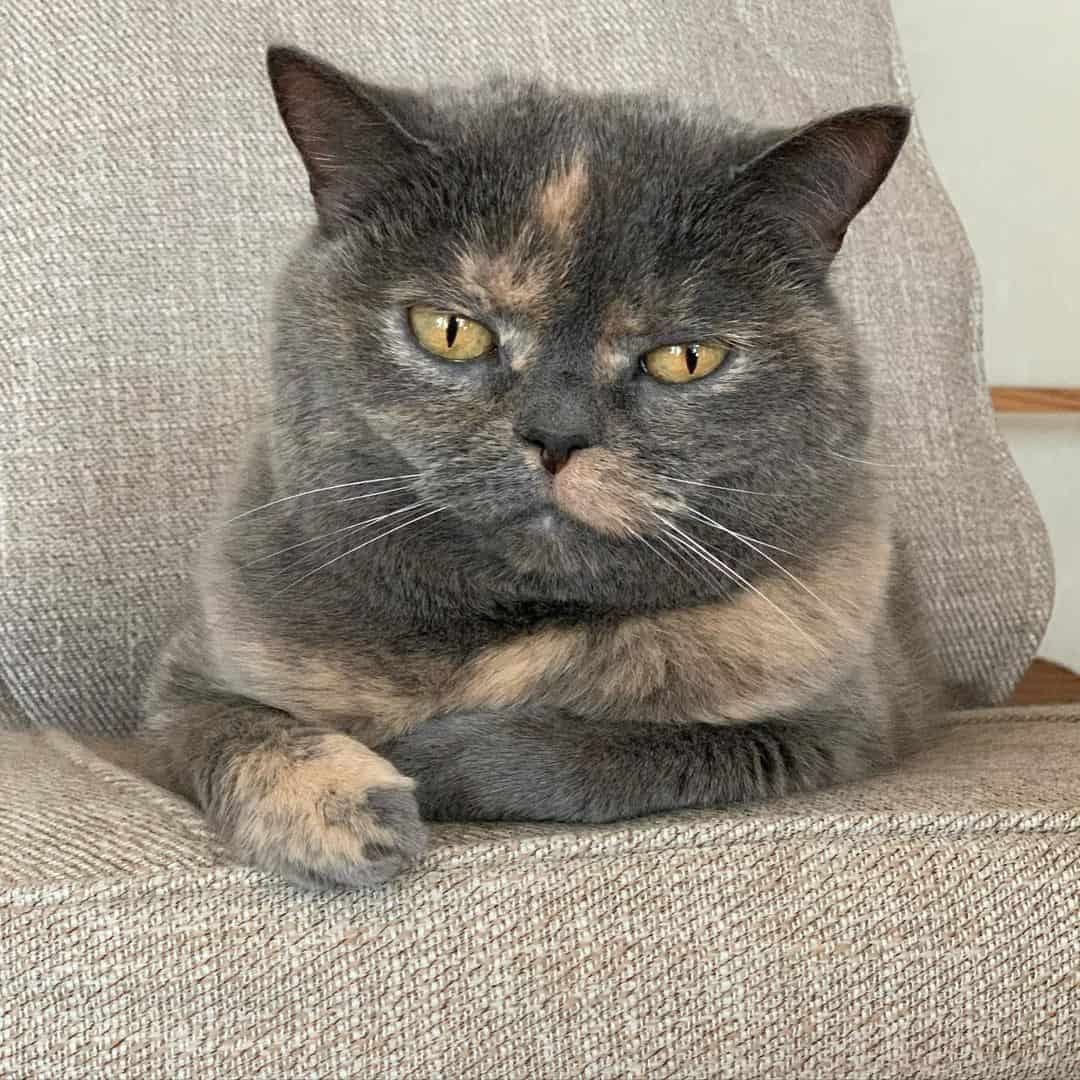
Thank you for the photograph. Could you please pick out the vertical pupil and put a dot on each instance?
(451, 330)
(691, 358)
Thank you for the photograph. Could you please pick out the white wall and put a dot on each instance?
(997, 94)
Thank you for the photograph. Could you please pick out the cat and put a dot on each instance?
(559, 511)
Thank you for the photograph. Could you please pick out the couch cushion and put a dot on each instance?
(149, 192)
(920, 924)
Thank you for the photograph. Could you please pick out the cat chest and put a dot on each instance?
(769, 648)
(713, 663)
(688, 666)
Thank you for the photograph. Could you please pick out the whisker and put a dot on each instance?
(720, 487)
(742, 536)
(728, 572)
(333, 532)
(864, 461)
(765, 555)
(690, 543)
(767, 520)
(659, 554)
(381, 536)
(680, 552)
(749, 511)
(316, 491)
(354, 498)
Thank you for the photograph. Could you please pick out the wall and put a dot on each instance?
(997, 94)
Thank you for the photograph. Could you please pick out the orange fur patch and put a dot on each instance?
(505, 674)
(504, 281)
(620, 320)
(283, 800)
(756, 654)
(560, 200)
(596, 486)
(332, 686)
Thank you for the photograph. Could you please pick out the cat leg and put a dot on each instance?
(548, 764)
(302, 801)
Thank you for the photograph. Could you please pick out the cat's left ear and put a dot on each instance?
(820, 177)
(350, 135)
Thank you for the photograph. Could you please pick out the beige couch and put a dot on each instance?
(921, 924)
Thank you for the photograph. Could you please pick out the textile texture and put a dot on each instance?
(149, 192)
(920, 924)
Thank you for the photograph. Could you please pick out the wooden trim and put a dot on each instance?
(1035, 399)
(1047, 683)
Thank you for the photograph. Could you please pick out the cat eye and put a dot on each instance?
(449, 335)
(684, 363)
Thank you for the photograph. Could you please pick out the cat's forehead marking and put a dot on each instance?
(507, 281)
(527, 277)
(560, 199)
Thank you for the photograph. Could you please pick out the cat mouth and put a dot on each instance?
(594, 492)
(591, 489)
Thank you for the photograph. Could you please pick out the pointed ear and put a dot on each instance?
(819, 178)
(350, 135)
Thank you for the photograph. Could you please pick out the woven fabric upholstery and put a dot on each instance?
(149, 191)
(922, 924)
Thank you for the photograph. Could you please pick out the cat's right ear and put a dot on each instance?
(821, 176)
(350, 135)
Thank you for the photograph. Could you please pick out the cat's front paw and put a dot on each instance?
(322, 811)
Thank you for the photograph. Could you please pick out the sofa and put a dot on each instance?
(921, 923)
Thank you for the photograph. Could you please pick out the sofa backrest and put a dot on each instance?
(149, 193)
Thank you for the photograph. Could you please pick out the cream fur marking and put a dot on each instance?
(733, 661)
(560, 201)
(283, 801)
(597, 486)
(503, 281)
(736, 660)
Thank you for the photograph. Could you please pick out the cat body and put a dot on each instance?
(559, 511)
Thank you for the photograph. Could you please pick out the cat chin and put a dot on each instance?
(548, 542)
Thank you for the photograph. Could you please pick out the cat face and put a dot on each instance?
(582, 323)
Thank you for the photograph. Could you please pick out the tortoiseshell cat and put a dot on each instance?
(559, 513)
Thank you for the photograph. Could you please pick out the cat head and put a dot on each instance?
(576, 323)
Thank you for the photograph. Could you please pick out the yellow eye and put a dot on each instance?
(684, 363)
(453, 337)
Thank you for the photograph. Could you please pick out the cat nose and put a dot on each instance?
(555, 446)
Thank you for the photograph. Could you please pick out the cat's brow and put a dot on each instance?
(620, 320)
(507, 282)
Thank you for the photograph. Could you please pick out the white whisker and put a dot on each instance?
(355, 498)
(333, 532)
(765, 555)
(381, 536)
(728, 572)
(659, 554)
(720, 487)
(679, 550)
(864, 461)
(742, 536)
(688, 541)
(316, 491)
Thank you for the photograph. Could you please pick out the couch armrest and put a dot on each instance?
(924, 923)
